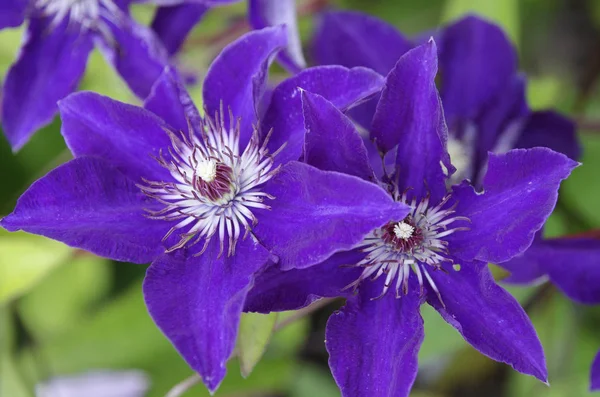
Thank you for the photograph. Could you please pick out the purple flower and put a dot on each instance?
(438, 253)
(210, 200)
(99, 383)
(58, 40)
(485, 106)
(174, 21)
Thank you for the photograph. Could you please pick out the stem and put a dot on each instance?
(184, 386)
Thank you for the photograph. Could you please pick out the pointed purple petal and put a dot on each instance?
(49, 67)
(126, 136)
(595, 377)
(409, 114)
(12, 13)
(317, 213)
(573, 266)
(373, 344)
(489, 318)
(263, 13)
(477, 60)
(352, 39)
(278, 290)
(173, 24)
(197, 303)
(87, 204)
(342, 87)
(332, 143)
(236, 79)
(521, 188)
(136, 53)
(527, 267)
(170, 101)
(551, 130)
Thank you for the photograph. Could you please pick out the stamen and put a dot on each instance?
(414, 243)
(214, 187)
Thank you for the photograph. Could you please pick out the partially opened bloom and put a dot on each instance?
(210, 200)
(176, 18)
(59, 37)
(437, 253)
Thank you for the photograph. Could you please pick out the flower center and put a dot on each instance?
(86, 13)
(214, 187)
(414, 244)
(403, 235)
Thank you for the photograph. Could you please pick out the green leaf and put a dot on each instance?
(26, 259)
(503, 12)
(253, 337)
(66, 296)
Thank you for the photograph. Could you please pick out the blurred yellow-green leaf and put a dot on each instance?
(503, 12)
(25, 260)
(253, 337)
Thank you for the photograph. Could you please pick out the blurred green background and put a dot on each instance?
(64, 311)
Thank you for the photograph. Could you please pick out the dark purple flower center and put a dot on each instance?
(214, 181)
(404, 235)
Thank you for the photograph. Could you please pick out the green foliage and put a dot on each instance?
(254, 335)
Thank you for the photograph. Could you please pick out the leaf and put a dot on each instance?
(253, 337)
(26, 259)
(66, 296)
(505, 13)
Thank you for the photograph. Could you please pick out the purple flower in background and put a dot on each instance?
(174, 21)
(101, 383)
(59, 37)
(437, 253)
(210, 200)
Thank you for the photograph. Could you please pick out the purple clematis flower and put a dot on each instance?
(174, 21)
(485, 106)
(210, 200)
(438, 253)
(59, 38)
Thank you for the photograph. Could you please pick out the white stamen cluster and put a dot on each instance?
(403, 230)
(215, 186)
(415, 244)
(85, 13)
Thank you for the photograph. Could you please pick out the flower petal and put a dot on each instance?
(12, 13)
(263, 13)
(136, 53)
(527, 267)
(476, 59)
(197, 303)
(521, 188)
(87, 204)
(173, 24)
(236, 79)
(573, 266)
(126, 136)
(551, 130)
(276, 290)
(341, 86)
(489, 318)
(332, 143)
(409, 114)
(49, 67)
(595, 377)
(350, 39)
(373, 345)
(313, 215)
(170, 101)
